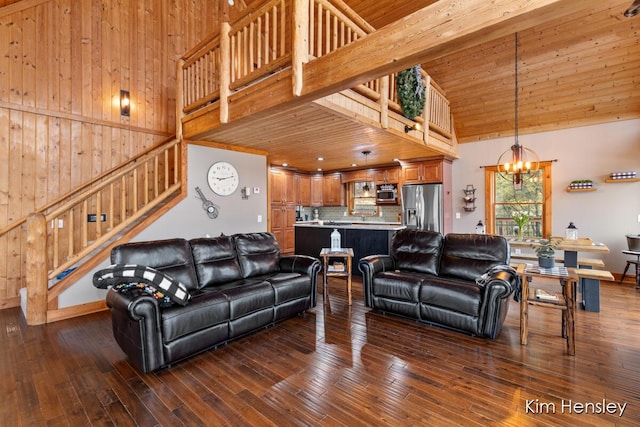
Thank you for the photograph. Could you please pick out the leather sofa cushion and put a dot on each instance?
(258, 253)
(172, 257)
(204, 310)
(468, 256)
(398, 285)
(416, 250)
(215, 260)
(249, 298)
(456, 296)
(289, 286)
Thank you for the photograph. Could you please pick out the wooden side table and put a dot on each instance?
(564, 301)
(332, 270)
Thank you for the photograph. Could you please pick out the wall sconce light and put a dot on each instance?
(125, 103)
(416, 126)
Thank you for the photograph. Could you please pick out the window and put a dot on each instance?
(362, 198)
(534, 199)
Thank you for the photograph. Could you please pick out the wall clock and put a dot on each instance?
(223, 178)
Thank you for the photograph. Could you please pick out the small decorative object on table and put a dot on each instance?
(521, 219)
(335, 240)
(480, 228)
(545, 250)
(571, 232)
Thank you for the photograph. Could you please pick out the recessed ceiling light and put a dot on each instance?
(353, 164)
(285, 164)
(320, 159)
(319, 169)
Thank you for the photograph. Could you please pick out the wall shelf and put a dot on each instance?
(469, 198)
(616, 181)
(580, 190)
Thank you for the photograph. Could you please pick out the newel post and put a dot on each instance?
(300, 48)
(36, 269)
(225, 71)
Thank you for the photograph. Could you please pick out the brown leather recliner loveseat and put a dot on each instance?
(460, 281)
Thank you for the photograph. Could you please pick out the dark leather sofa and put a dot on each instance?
(236, 284)
(460, 281)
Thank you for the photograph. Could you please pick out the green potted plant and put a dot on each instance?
(545, 250)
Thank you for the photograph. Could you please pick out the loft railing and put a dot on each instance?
(289, 33)
(62, 234)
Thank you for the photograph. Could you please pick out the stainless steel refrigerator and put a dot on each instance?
(422, 206)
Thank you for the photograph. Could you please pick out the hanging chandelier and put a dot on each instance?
(517, 162)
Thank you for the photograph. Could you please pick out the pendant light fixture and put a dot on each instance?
(518, 161)
(366, 188)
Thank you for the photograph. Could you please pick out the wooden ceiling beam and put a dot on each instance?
(453, 26)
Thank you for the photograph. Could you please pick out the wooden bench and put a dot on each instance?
(587, 262)
(588, 273)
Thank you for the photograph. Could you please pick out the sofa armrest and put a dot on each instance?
(136, 328)
(303, 264)
(369, 266)
(498, 283)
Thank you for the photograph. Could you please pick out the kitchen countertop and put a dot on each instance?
(366, 225)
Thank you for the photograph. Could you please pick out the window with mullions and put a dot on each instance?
(532, 197)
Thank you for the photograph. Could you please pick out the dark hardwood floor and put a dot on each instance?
(336, 365)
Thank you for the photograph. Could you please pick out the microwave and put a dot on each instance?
(387, 193)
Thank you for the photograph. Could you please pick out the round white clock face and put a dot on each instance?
(223, 178)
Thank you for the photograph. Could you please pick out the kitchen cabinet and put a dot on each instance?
(283, 220)
(312, 238)
(422, 172)
(283, 197)
(283, 189)
(303, 189)
(317, 183)
(358, 175)
(332, 190)
(389, 175)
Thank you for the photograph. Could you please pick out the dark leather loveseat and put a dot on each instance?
(461, 281)
(234, 285)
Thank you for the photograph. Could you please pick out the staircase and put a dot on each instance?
(70, 236)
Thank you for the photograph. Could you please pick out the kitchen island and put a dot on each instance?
(366, 238)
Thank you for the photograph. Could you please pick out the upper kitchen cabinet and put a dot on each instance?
(317, 190)
(303, 189)
(283, 188)
(333, 190)
(427, 171)
(387, 175)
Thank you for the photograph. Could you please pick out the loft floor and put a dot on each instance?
(337, 365)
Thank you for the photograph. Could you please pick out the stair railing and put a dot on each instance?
(266, 41)
(61, 235)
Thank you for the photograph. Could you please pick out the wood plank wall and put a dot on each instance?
(62, 65)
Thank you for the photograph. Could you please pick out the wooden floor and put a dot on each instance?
(336, 365)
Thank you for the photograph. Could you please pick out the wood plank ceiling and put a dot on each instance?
(579, 70)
